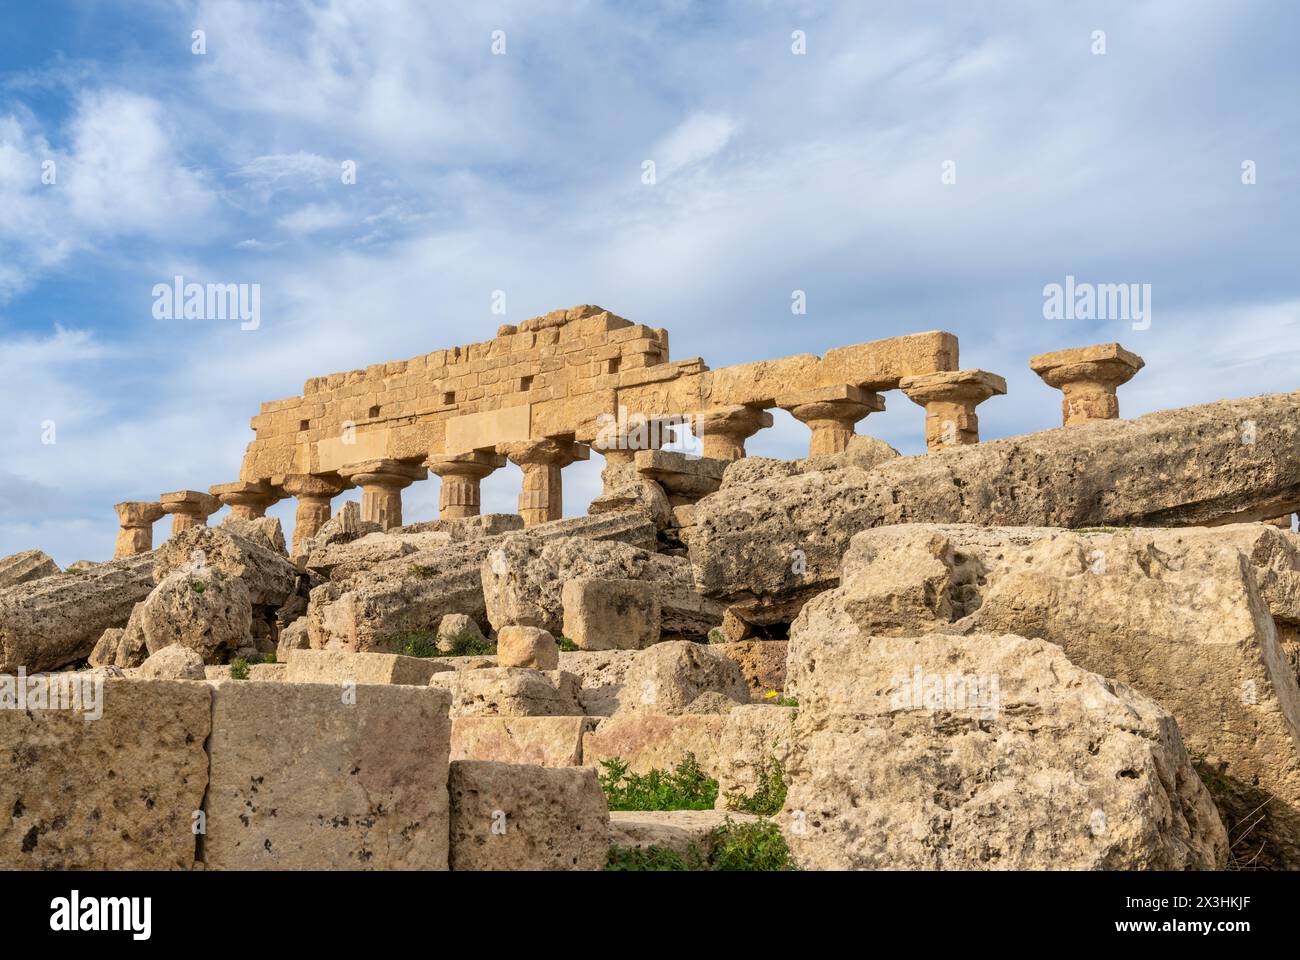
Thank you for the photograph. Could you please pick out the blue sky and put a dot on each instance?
(521, 172)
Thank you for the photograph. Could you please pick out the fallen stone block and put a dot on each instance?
(266, 573)
(510, 692)
(25, 567)
(649, 741)
(207, 610)
(120, 792)
(302, 779)
(468, 528)
(545, 741)
(669, 677)
(682, 831)
(173, 663)
(269, 672)
(601, 673)
(339, 666)
(610, 614)
(507, 816)
(1184, 615)
(762, 662)
(456, 628)
(527, 647)
(982, 753)
(57, 620)
(356, 556)
(410, 596)
(771, 545)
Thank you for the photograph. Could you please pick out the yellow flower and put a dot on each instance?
(770, 694)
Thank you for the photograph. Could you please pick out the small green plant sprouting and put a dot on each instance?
(239, 669)
(768, 797)
(684, 788)
(780, 699)
(653, 858)
(424, 643)
(716, 636)
(269, 658)
(198, 586)
(421, 643)
(566, 645)
(423, 572)
(468, 643)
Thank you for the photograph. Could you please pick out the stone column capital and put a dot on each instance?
(246, 499)
(139, 513)
(1088, 376)
(390, 474)
(189, 508)
(477, 464)
(548, 451)
(950, 399)
(724, 430)
(312, 485)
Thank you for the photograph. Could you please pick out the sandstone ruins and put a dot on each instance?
(1076, 649)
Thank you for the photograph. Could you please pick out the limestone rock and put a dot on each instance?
(772, 544)
(523, 579)
(863, 453)
(553, 819)
(207, 610)
(455, 627)
(175, 662)
(116, 793)
(468, 528)
(338, 666)
(25, 567)
(264, 531)
(105, 652)
(604, 614)
(1186, 616)
(601, 673)
(677, 830)
(761, 661)
(545, 741)
(510, 692)
(527, 647)
(268, 577)
(293, 637)
(367, 610)
(365, 552)
(57, 620)
(303, 780)
(982, 752)
(648, 498)
(668, 677)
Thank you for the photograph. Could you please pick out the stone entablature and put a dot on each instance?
(560, 376)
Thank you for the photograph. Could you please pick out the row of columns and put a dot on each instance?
(1088, 377)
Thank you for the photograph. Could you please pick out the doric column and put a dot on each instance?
(461, 474)
(1089, 377)
(382, 483)
(189, 508)
(542, 460)
(636, 433)
(950, 400)
(724, 430)
(135, 535)
(831, 412)
(246, 500)
(313, 494)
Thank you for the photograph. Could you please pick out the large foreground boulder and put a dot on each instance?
(266, 573)
(1191, 617)
(981, 753)
(770, 545)
(57, 620)
(206, 610)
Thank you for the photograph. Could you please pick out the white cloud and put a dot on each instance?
(314, 218)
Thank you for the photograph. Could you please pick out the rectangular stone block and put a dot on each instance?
(602, 614)
(475, 431)
(544, 741)
(507, 816)
(304, 778)
(339, 666)
(114, 793)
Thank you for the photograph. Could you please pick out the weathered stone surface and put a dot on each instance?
(981, 752)
(523, 580)
(264, 531)
(302, 780)
(364, 553)
(545, 741)
(649, 741)
(339, 666)
(105, 652)
(116, 793)
(292, 637)
(468, 528)
(863, 453)
(274, 672)
(770, 545)
(640, 495)
(668, 677)
(603, 614)
(1187, 616)
(175, 662)
(56, 620)
(677, 830)
(455, 626)
(601, 673)
(412, 594)
(680, 474)
(527, 647)
(761, 661)
(25, 567)
(207, 610)
(267, 574)
(553, 819)
(510, 692)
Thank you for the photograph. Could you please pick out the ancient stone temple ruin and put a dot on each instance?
(543, 394)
